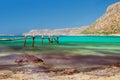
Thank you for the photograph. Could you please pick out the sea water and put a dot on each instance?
(83, 45)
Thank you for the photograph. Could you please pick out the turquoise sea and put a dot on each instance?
(83, 45)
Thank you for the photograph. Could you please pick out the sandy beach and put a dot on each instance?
(105, 74)
(62, 67)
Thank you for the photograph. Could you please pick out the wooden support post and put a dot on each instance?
(33, 41)
(57, 40)
(42, 39)
(49, 40)
(25, 41)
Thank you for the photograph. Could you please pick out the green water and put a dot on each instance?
(83, 45)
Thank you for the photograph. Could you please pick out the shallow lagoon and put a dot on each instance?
(83, 45)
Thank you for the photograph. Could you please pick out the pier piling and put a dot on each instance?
(51, 40)
(25, 41)
(33, 41)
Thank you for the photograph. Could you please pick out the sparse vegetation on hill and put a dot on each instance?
(109, 23)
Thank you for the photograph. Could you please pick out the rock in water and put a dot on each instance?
(28, 59)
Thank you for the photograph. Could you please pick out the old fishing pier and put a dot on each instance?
(50, 35)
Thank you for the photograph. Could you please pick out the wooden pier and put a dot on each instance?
(51, 35)
(51, 39)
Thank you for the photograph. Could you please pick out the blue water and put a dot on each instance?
(90, 39)
(83, 45)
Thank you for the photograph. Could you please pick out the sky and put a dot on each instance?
(20, 16)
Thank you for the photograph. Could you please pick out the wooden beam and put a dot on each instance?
(42, 41)
(33, 41)
(25, 41)
(42, 37)
(57, 40)
(49, 40)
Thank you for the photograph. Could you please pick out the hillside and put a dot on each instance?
(109, 23)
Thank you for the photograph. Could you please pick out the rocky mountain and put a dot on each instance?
(109, 23)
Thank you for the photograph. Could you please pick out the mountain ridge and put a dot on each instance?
(107, 24)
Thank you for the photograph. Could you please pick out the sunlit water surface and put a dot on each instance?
(83, 45)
